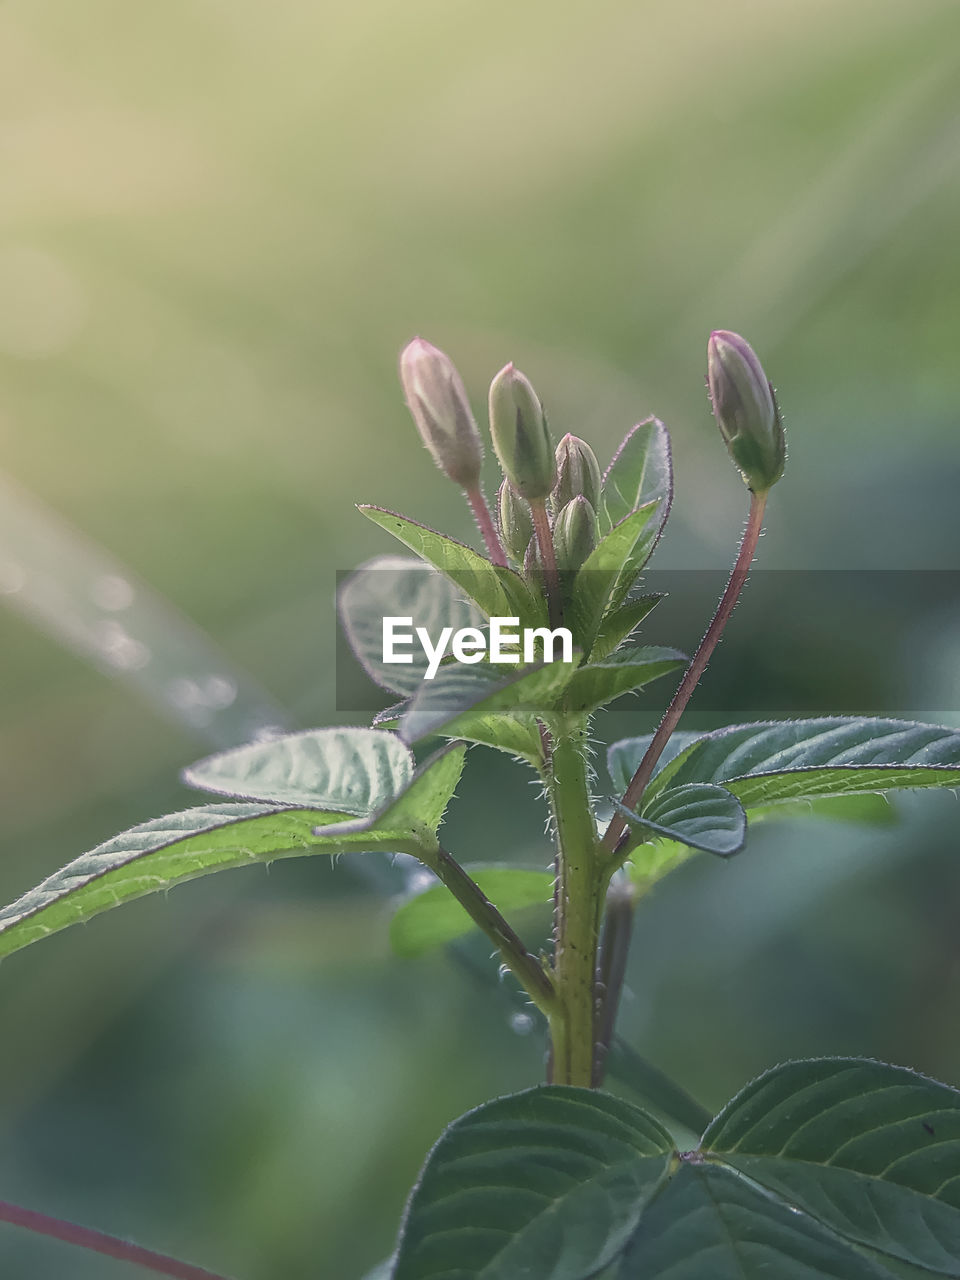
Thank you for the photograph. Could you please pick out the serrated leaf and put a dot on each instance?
(709, 1224)
(460, 696)
(546, 1182)
(396, 586)
(434, 918)
(617, 625)
(641, 472)
(700, 815)
(476, 576)
(597, 586)
(355, 771)
(159, 854)
(869, 1150)
(596, 683)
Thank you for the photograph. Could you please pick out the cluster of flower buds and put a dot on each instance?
(575, 500)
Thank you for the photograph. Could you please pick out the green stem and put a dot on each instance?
(525, 966)
(691, 677)
(578, 905)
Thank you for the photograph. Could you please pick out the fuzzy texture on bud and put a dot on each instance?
(578, 473)
(575, 533)
(521, 439)
(516, 522)
(440, 408)
(746, 410)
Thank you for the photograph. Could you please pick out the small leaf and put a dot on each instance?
(159, 854)
(594, 586)
(461, 564)
(597, 683)
(551, 1181)
(400, 587)
(656, 1089)
(434, 918)
(641, 472)
(355, 771)
(700, 815)
(709, 1224)
(871, 1151)
(461, 695)
(617, 625)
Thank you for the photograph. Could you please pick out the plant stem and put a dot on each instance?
(98, 1242)
(481, 513)
(614, 948)
(691, 677)
(579, 899)
(541, 527)
(525, 966)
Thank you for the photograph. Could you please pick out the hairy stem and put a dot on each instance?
(691, 677)
(614, 949)
(488, 531)
(98, 1242)
(578, 903)
(541, 527)
(525, 966)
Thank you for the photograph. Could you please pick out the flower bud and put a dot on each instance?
(438, 402)
(746, 410)
(520, 436)
(578, 473)
(575, 533)
(516, 522)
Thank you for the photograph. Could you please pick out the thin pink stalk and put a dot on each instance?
(488, 531)
(691, 677)
(98, 1242)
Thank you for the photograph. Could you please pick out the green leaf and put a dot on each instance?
(617, 625)
(650, 862)
(700, 815)
(597, 585)
(434, 918)
(869, 1150)
(354, 771)
(461, 696)
(641, 472)
(401, 587)
(776, 761)
(656, 1089)
(475, 575)
(551, 1181)
(597, 683)
(708, 1224)
(159, 854)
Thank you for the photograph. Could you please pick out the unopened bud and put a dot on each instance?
(578, 473)
(516, 522)
(746, 410)
(440, 408)
(575, 533)
(520, 436)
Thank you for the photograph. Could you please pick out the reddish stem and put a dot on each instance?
(481, 513)
(541, 527)
(691, 677)
(98, 1242)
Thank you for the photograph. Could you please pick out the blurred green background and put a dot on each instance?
(219, 222)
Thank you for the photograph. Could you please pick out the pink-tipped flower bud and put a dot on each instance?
(516, 522)
(440, 408)
(746, 410)
(575, 533)
(521, 439)
(578, 473)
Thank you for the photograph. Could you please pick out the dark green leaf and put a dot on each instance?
(700, 815)
(869, 1150)
(549, 1182)
(597, 683)
(617, 625)
(434, 917)
(597, 584)
(709, 1224)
